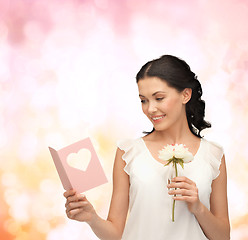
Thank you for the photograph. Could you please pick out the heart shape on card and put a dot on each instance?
(79, 160)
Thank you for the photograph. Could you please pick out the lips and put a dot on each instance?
(157, 118)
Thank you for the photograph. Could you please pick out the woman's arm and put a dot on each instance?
(119, 203)
(79, 208)
(214, 223)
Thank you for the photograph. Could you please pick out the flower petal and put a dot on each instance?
(178, 151)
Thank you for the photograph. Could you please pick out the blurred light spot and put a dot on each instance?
(32, 31)
(42, 226)
(236, 199)
(102, 3)
(34, 68)
(48, 186)
(241, 233)
(12, 226)
(4, 69)
(46, 121)
(22, 236)
(42, 97)
(3, 31)
(63, 232)
(86, 12)
(19, 209)
(9, 179)
(28, 148)
(69, 117)
(10, 195)
(3, 136)
(55, 140)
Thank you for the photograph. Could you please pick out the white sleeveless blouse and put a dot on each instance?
(150, 205)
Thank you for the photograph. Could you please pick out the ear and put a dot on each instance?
(186, 95)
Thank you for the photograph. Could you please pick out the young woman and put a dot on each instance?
(171, 99)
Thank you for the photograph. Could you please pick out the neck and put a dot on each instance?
(178, 133)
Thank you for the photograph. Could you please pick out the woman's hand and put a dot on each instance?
(78, 207)
(187, 191)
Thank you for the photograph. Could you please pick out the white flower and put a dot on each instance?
(166, 153)
(178, 151)
(175, 154)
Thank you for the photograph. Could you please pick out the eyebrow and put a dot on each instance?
(153, 93)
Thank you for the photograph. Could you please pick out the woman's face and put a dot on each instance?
(163, 105)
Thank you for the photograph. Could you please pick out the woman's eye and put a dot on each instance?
(159, 99)
(143, 101)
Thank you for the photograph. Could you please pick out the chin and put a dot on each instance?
(163, 126)
(160, 128)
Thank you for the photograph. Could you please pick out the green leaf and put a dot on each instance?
(169, 161)
(180, 161)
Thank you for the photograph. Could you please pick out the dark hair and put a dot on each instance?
(177, 74)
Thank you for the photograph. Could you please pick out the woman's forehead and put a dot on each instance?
(152, 84)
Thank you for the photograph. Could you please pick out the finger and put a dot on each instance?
(74, 205)
(189, 199)
(81, 196)
(182, 185)
(183, 179)
(182, 192)
(71, 199)
(70, 192)
(70, 214)
(75, 198)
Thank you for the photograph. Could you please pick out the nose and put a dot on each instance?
(152, 108)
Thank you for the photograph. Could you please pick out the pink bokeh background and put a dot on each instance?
(67, 71)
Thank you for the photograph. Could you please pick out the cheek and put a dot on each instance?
(172, 105)
(169, 104)
(144, 109)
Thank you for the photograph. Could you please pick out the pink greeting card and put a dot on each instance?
(78, 166)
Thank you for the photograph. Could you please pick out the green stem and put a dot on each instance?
(174, 202)
(176, 169)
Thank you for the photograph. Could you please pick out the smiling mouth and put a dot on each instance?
(157, 118)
